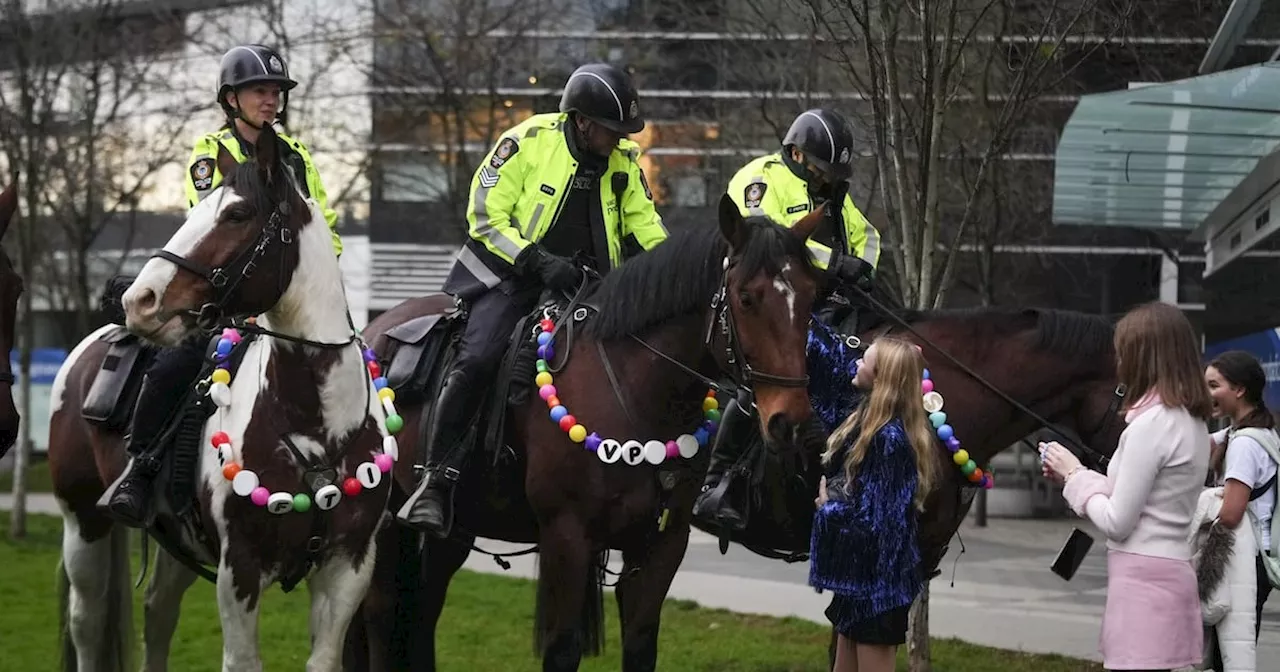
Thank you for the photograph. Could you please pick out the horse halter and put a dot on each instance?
(743, 374)
(225, 279)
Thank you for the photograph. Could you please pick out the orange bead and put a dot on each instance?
(229, 470)
(553, 401)
(975, 476)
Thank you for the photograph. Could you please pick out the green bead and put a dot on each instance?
(712, 415)
(969, 467)
(937, 419)
(542, 365)
(301, 503)
(395, 423)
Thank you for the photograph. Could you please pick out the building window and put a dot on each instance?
(687, 191)
(414, 179)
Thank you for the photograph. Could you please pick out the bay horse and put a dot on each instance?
(1058, 365)
(733, 301)
(302, 399)
(10, 290)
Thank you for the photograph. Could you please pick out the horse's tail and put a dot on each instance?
(116, 651)
(589, 630)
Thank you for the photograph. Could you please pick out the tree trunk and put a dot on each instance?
(918, 633)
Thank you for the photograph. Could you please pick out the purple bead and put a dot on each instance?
(712, 426)
(593, 441)
(953, 443)
(369, 356)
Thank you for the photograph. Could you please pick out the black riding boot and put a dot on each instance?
(716, 503)
(128, 500)
(430, 507)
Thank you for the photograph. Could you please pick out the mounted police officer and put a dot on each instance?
(253, 90)
(813, 168)
(556, 187)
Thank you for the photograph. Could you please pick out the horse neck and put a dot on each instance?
(660, 388)
(314, 305)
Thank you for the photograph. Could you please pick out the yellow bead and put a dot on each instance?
(961, 456)
(578, 433)
(387, 394)
(543, 378)
(710, 404)
(222, 376)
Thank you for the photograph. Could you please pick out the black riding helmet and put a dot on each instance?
(251, 64)
(603, 94)
(826, 139)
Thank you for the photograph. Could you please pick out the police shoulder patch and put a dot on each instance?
(754, 194)
(503, 152)
(202, 173)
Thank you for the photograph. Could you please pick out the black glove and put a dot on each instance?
(850, 269)
(110, 302)
(554, 271)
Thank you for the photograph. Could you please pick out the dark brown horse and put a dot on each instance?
(1058, 365)
(10, 291)
(703, 304)
(302, 400)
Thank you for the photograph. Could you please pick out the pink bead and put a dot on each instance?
(547, 391)
(926, 386)
(672, 449)
(384, 462)
(231, 335)
(259, 496)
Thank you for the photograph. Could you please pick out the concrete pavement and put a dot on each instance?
(1002, 594)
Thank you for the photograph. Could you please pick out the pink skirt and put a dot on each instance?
(1152, 619)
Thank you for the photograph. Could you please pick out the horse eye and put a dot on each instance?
(237, 214)
(745, 298)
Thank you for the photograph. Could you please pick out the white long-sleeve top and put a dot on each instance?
(1145, 503)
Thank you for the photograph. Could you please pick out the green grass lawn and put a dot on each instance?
(487, 625)
(38, 479)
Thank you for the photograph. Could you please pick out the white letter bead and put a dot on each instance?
(369, 475)
(609, 451)
(390, 447)
(688, 445)
(244, 482)
(655, 452)
(633, 452)
(328, 497)
(280, 502)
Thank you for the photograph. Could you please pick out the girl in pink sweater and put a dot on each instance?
(1145, 501)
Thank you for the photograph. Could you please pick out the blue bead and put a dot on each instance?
(379, 382)
(544, 338)
(224, 346)
(945, 432)
(926, 374)
(559, 412)
(701, 436)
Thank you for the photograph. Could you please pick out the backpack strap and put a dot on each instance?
(1270, 442)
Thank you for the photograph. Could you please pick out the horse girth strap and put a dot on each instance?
(6, 378)
(1102, 460)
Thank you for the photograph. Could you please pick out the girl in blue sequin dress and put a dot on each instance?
(880, 464)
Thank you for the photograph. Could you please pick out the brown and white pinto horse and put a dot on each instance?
(10, 290)
(302, 394)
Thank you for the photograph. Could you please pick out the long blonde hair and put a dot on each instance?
(899, 370)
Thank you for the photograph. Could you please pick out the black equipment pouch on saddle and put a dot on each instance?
(116, 385)
(418, 343)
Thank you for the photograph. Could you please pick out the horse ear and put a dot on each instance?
(267, 153)
(809, 223)
(8, 204)
(732, 226)
(226, 162)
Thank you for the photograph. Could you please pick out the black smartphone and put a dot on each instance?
(1072, 554)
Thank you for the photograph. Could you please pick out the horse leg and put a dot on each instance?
(337, 588)
(161, 607)
(93, 587)
(239, 589)
(441, 559)
(568, 617)
(641, 593)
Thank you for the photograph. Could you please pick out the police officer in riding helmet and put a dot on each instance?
(253, 90)
(813, 168)
(558, 191)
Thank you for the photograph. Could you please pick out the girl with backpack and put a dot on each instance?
(1236, 381)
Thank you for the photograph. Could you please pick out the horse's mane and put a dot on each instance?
(1066, 333)
(681, 274)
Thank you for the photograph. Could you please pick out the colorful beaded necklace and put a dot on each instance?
(933, 404)
(611, 450)
(245, 483)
